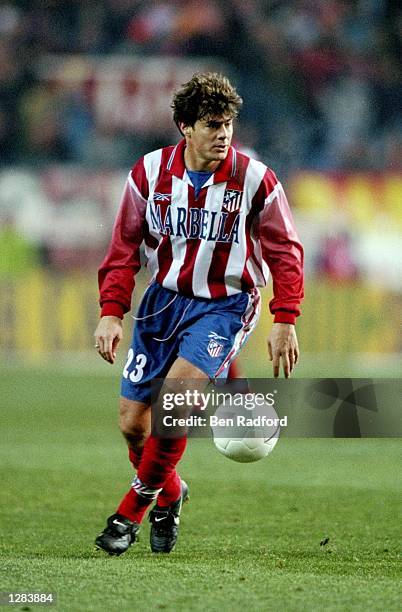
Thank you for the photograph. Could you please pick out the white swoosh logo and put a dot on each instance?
(215, 336)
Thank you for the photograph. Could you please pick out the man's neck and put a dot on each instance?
(195, 164)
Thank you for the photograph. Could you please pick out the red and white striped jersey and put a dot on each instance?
(224, 241)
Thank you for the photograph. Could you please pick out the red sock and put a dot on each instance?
(133, 506)
(159, 460)
(130, 502)
(156, 469)
(171, 491)
(172, 487)
(135, 457)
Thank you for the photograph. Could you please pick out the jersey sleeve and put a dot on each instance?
(282, 251)
(117, 271)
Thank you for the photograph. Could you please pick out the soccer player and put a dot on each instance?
(213, 223)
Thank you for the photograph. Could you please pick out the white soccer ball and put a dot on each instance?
(245, 450)
(252, 441)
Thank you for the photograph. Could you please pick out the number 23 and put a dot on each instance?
(138, 372)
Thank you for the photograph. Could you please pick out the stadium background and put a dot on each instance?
(84, 90)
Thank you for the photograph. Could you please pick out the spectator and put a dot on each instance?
(323, 78)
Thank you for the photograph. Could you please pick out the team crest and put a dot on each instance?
(232, 200)
(215, 347)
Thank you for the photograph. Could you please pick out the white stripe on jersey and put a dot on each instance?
(134, 187)
(278, 192)
(180, 199)
(234, 161)
(255, 273)
(171, 158)
(152, 163)
(274, 193)
(152, 260)
(203, 260)
(237, 258)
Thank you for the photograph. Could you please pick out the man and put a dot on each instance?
(213, 222)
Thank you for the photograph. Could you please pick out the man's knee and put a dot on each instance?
(134, 421)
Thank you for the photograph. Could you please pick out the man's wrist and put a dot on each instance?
(283, 316)
(112, 309)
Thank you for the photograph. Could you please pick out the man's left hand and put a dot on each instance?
(282, 345)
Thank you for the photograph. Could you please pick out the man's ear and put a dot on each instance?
(185, 129)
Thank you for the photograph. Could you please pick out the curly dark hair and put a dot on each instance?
(207, 94)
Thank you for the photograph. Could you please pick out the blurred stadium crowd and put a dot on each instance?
(85, 89)
(321, 79)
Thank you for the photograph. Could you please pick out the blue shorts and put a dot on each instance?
(207, 333)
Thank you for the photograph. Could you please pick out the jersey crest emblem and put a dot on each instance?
(232, 199)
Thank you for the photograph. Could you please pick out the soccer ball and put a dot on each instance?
(245, 450)
(250, 442)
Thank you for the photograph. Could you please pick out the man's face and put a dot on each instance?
(210, 138)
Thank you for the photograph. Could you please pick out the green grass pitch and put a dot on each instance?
(250, 536)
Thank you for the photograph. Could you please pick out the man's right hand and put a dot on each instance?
(107, 336)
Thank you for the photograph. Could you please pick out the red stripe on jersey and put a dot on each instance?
(149, 240)
(246, 280)
(139, 177)
(164, 259)
(216, 274)
(165, 256)
(270, 181)
(220, 257)
(185, 278)
(237, 181)
(226, 168)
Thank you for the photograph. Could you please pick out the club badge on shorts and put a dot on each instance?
(215, 347)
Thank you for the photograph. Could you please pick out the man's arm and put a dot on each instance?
(283, 253)
(117, 271)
